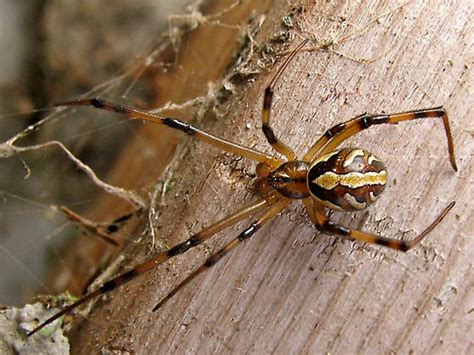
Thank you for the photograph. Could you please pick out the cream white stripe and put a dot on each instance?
(326, 157)
(372, 159)
(330, 180)
(372, 196)
(352, 155)
(354, 203)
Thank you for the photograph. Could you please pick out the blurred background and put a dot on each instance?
(53, 51)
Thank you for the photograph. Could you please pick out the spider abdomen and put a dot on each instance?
(347, 179)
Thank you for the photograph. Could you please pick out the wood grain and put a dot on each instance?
(291, 289)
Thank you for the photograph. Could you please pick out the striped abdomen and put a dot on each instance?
(347, 179)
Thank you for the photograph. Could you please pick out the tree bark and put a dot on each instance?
(291, 289)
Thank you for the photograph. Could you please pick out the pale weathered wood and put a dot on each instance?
(291, 289)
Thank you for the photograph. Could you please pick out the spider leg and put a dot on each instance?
(214, 258)
(138, 114)
(178, 249)
(278, 145)
(339, 133)
(88, 225)
(310, 208)
(324, 224)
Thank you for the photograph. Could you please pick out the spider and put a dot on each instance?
(344, 179)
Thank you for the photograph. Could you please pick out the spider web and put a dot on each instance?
(55, 157)
(58, 157)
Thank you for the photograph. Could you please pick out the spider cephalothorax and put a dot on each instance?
(289, 179)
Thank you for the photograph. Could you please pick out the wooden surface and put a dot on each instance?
(291, 289)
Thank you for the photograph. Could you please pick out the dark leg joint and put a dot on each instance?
(112, 228)
(115, 225)
(110, 285)
(215, 258)
(267, 99)
(335, 130)
(103, 104)
(268, 132)
(194, 240)
(210, 262)
(334, 228)
(177, 124)
(440, 111)
(384, 242)
(246, 234)
(404, 246)
(123, 218)
(434, 112)
(184, 246)
(368, 121)
(393, 244)
(98, 102)
(365, 122)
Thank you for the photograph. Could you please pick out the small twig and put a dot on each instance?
(7, 149)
